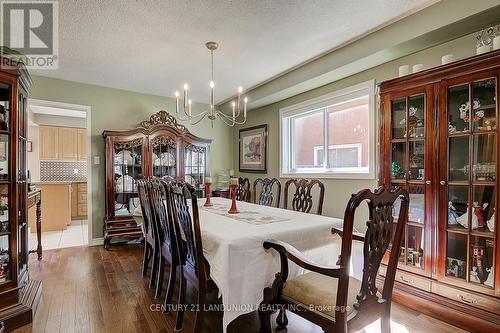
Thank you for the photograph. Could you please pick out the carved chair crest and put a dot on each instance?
(266, 197)
(302, 200)
(243, 190)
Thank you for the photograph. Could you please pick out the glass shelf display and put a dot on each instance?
(127, 165)
(4, 107)
(194, 166)
(407, 170)
(4, 259)
(164, 156)
(471, 186)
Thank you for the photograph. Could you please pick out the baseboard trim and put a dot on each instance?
(96, 242)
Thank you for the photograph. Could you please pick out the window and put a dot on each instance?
(342, 121)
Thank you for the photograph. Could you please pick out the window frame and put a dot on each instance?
(314, 105)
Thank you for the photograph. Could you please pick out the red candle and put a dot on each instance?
(208, 192)
(233, 209)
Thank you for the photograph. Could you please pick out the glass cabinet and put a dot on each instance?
(470, 180)
(439, 141)
(127, 165)
(15, 310)
(158, 147)
(409, 164)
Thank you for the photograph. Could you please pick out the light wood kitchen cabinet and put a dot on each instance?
(82, 144)
(49, 142)
(68, 143)
(62, 143)
(78, 201)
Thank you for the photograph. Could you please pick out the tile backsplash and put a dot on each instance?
(63, 170)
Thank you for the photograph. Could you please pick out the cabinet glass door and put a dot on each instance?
(194, 166)
(6, 229)
(163, 157)
(407, 170)
(470, 186)
(127, 164)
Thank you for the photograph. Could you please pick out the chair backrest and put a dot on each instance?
(187, 227)
(243, 190)
(302, 200)
(266, 196)
(166, 232)
(379, 230)
(143, 190)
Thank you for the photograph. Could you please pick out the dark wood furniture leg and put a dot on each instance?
(35, 198)
(39, 228)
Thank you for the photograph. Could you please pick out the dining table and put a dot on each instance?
(241, 267)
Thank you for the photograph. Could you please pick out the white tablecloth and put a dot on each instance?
(241, 267)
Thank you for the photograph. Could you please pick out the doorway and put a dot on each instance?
(59, 166)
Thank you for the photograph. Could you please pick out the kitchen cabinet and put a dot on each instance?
(62, 143)
(68, 143)
(49, 143)
(82, 144)
(79, 201)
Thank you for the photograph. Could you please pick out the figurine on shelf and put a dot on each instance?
(489, 280)
(452, 129)
(396, 170)
(491, 222)
(474, 276)
(477, 217)
(3, 273)
(3, 119)
(452, 214)
(452, 268)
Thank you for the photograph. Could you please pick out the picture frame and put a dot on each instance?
(253, 149)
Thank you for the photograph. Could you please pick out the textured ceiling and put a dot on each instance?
(155, 46)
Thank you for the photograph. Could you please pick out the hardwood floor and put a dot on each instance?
(89, 289)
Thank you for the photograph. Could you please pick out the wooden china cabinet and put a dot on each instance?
(157, 147)
(19, 294)
(439, 140)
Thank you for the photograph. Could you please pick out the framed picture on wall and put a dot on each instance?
(253, 149)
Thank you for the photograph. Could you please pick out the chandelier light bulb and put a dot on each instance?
(190, 102)
(176, 94)
(245, 100)
(212, 84)
(186, 87)
(240, 90)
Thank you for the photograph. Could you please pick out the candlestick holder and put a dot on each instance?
(233, 209)
(208, 192)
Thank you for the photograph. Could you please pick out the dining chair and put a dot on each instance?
(167, 252)
(327, 295)
(302, 200)
(267, 195)
(243, 190)
(193, 265)
(149, 240)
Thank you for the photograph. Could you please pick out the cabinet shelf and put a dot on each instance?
(5, 233)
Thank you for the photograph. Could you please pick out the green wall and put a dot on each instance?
(116, 109)
(338, 190)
